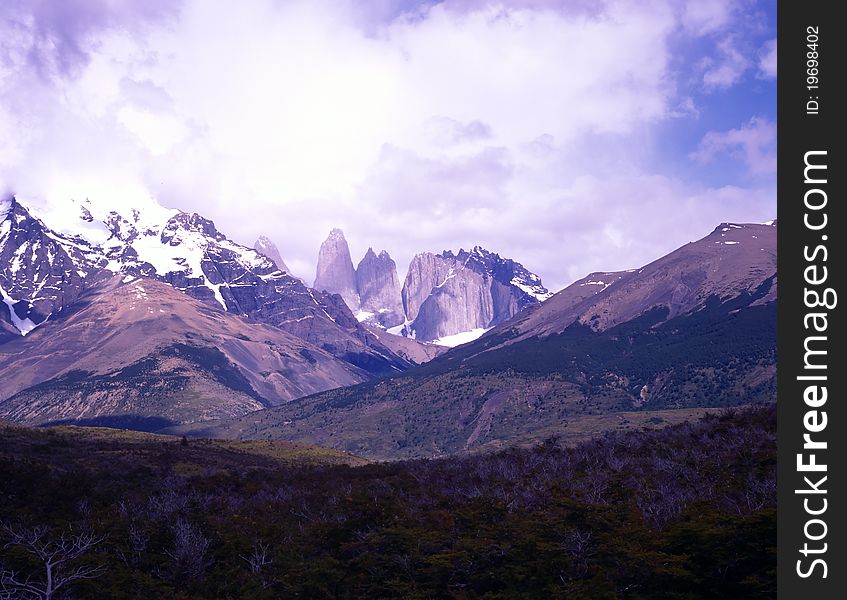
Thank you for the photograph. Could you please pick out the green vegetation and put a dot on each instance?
(685, 511)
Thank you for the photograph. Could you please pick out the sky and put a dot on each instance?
(572, 136)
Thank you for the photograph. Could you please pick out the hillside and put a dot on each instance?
(139, 353)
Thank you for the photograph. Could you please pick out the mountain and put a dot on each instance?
(335, 273)
(379, 290)
(266, 247)
(446, 298)
(45, 268)
(133, 351)
(732, 259)
(447, 294)
(693, 329)
(41, 271)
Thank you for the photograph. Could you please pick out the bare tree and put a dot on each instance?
(190, 551)
(55, 555)
(137, 542)
(258, 558)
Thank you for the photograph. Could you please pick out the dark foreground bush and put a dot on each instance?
(684, 512)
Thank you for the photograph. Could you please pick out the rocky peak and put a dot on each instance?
(190, 222)
(427, 271)
(450, 293)
(41, 271)
(379, 290)
(335, 273)
(266, 247)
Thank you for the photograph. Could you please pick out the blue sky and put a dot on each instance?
(572, 136)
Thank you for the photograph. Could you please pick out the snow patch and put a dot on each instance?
(402, 330)
(536, 291)
(363, 315)
(457, 339)
(450, 275)
(23, 325)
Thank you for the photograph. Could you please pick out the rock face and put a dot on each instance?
(444, 295)
(379, 290)
(266, 247)
(45, 269)
(447, 294)
(335, 272)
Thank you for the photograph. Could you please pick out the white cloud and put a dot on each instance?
(703, 18)
(460, 123)
(727, 68)
(754, 143)
(767, 60)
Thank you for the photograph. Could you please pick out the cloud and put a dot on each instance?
(703, 18)
(56, 39)
(754, 143)
(724, 70)
(767, 60)
(445, 131)
(412, 125)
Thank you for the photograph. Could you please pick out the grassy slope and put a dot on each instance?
(69, 447)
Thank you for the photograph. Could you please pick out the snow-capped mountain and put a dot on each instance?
(695, 328)
(46, 263)
(41, 271)
(453, 298)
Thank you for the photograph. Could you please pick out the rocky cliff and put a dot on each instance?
(335, 273)
(447, 294)
(379, 290)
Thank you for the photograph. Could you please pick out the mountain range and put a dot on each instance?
(153, 319)
(693, 329)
